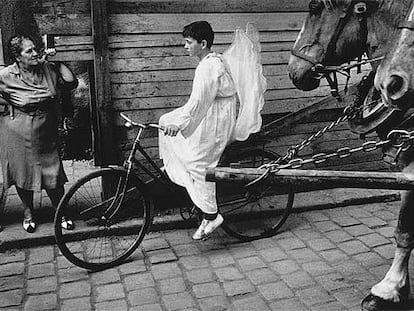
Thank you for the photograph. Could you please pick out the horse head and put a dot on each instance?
(338, 31)
(394, 76)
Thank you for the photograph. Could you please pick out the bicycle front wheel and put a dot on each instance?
(257, 211)
(111, 213)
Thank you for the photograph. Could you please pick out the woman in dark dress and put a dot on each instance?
(29, 135)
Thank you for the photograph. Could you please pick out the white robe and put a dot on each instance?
(206, 125)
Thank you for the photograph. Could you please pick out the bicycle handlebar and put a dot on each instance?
(130, 123)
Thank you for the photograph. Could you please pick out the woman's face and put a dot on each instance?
(29, 55)
(193, 47)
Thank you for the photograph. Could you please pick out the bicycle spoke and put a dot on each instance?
(252, 212)
(109, 224)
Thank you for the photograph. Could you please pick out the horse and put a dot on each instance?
(364, 26)
(395, 79)
(334, 33)
(395, 74)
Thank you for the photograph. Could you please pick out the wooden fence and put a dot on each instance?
(150, 73)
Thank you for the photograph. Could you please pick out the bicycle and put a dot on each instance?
(112, 208)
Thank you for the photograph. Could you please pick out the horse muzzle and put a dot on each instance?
(302, 74)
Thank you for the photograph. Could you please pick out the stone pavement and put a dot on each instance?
(321, 260)
(13, 236)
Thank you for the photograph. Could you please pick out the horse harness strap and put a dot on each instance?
(303, 56)
(338, 30)
(330, 50)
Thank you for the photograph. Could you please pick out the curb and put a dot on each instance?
(14, 237)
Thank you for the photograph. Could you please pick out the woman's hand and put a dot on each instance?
(171, 130)
(46, 53)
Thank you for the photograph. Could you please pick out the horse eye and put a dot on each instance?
(315, 7)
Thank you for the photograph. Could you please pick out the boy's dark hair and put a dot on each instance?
(199, 31)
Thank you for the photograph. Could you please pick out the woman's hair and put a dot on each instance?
(199, 31)
(15, 45)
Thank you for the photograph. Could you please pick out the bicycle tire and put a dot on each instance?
(103, 235)
(254, 212)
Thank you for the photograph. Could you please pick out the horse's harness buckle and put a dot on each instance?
(318, 68)
(400, 139)
(360, 8)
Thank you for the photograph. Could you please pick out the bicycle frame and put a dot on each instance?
(132, 163)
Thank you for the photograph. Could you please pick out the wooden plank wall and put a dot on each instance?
(151, 73)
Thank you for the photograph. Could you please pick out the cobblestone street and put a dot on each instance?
(322, 260)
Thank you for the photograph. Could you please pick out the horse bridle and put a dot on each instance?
(325, 71)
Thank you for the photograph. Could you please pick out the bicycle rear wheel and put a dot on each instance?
(111, 214)
(254, 212)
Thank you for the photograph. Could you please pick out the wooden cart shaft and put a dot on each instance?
(309, 180)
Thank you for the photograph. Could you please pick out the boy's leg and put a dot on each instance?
(199, 234)
(214, 221)
(210, 216)
(203, 195)
(211, 213)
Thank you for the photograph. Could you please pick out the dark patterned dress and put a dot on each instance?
(29, 132)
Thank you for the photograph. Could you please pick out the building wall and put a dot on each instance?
(151, 73)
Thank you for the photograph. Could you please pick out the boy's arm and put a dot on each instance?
(204, 91)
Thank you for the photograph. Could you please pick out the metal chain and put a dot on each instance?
(350, 112)
(292, 151)
(400, 139)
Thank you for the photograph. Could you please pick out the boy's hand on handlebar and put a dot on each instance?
(171, 130)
